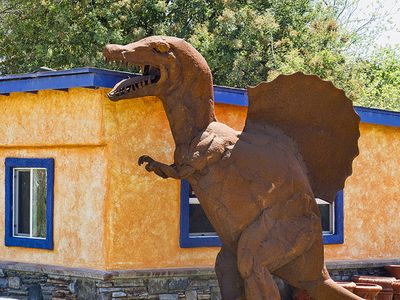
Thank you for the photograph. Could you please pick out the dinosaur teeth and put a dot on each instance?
(130, 85)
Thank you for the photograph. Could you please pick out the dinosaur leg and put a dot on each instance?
(260, 285)
(313, 276)
(269, 243)
(229, 279)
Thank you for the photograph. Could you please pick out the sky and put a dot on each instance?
(392, 9)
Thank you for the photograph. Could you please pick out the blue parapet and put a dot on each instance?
(102, 78)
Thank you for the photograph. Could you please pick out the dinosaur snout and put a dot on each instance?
(114, 52)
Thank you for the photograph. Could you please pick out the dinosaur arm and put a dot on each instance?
(164, 170)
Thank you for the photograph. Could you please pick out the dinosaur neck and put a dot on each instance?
(189, 113)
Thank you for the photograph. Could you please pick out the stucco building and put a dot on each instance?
(81, 220)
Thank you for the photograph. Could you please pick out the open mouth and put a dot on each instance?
(150, 75)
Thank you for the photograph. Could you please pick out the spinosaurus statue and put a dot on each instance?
(258, 186)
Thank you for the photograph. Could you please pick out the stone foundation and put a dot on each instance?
(344, 270)
(28, 281)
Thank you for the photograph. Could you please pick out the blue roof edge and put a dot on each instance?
(94, 77)
(75, 71)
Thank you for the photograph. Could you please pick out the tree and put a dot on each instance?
(381, 78)
(244, 41)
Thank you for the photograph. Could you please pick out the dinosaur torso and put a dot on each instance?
(238, 175)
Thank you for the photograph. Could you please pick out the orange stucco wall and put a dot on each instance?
(372, 198)
(143, 219)
(112, 214)
(67, 127)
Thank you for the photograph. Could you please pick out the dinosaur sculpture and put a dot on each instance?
(257, 187)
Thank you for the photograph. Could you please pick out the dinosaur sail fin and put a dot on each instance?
(318, 117)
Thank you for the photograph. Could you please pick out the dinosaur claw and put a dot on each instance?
(143, 159)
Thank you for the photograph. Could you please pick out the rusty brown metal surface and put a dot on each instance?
(320, 119)
(258, 186)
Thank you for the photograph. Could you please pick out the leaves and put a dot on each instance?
(244, 41)
(381, 78)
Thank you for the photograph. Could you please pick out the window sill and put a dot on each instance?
(29, 243)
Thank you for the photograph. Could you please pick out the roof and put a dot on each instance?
(102, 78)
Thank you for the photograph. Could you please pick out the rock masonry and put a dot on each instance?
(40, 282)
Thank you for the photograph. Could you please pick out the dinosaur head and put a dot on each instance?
(162, 61)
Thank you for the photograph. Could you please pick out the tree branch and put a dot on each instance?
(343, 9)
(372, 19)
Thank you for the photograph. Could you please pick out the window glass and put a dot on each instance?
(324, 209)
(39, 200)
(199, 225)
(30, 197)
(327, 216)
(22, 202)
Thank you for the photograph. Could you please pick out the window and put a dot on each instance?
(332, 219)
(29, 202)
(196, 230)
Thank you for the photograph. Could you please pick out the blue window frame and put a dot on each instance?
(29, 198)
(194, 237)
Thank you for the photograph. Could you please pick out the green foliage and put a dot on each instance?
(381, 78)
(244, 41)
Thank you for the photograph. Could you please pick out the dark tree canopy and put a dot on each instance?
(244, 41)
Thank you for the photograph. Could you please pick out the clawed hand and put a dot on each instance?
(151, 165)
(146, 159)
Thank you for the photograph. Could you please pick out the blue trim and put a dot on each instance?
(61, 80)
(96, 78)
(186, 241)
(231, 96)
(338, 236)
(378, 116)
(10, 164)
(239, 97)
(70, 72)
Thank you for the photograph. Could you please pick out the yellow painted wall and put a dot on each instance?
(112, 214)
(372, 198)
(51, 118)
(144, 209)
(67, 127)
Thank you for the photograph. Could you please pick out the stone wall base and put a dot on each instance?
(36, 282)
